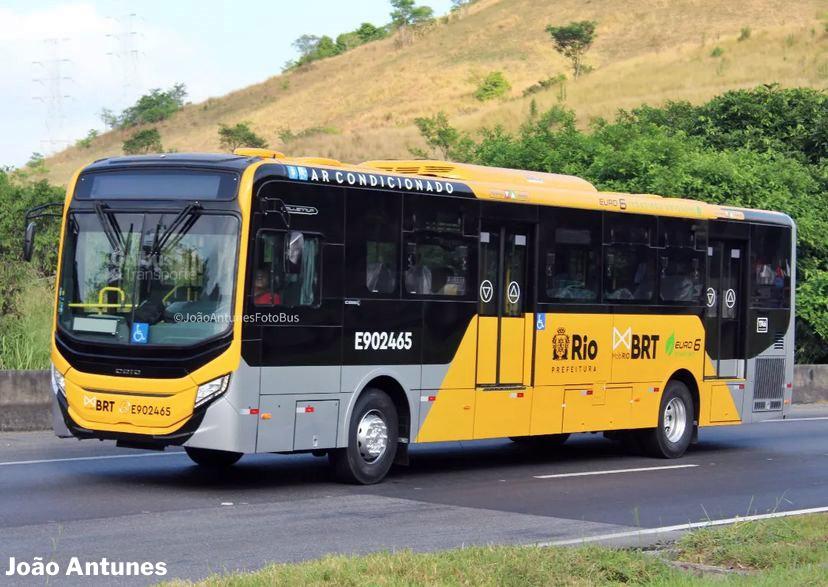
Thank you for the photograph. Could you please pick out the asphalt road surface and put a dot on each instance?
(63, 498)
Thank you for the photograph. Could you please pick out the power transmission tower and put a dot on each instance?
(127, 55)
(52, 81)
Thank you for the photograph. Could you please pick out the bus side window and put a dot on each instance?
(372, 244)
(681, 256)
(287, 269)
(629, 260)
(438, 255)
(571, 248)
(770, 266)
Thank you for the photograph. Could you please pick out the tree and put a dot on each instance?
(368, 32)
(109, 118)
(306, 44)
(156, 106)
(406, 13)
(439, 135)
(573, 41)
(240, 135)
(143, 141)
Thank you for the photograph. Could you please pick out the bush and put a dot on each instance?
(545, 84)
(762, 148)
(744, 34)
(156, 106)
(717, 52)
(143, 141)
(240, 135)
(492, 86)
(86, 142)
(25, 289)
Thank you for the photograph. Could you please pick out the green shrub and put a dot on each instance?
(763, 148)
(545, 84)
(494, 85)
(717, 52)
(86, 142)
(143, 141)
(239, 135)
(156, 106)
(744, 34)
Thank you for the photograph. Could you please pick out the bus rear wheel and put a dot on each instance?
(672, 436)
(212, 459)
(372, 440)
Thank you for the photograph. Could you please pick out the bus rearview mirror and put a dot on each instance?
(28, 241)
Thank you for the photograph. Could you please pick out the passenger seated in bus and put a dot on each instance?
(262, 296)
(379, 278)
(676, 284)
(645, 284)
(418, 277)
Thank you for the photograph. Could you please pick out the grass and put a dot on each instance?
(25, 337)
(783, 551)
(648, 52)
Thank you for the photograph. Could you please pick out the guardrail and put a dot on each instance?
(25, 396)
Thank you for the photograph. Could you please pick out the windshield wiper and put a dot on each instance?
(180, 225)
(110, 227)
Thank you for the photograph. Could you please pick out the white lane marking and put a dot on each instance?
(681, 527)
(613, 471)
(100, 458)
(796, 419)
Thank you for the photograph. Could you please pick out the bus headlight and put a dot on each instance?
(58, 382)
(212, 389)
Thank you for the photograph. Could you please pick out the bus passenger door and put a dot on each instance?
(502, 406)
(724, 316)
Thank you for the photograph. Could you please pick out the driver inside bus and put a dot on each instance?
(262, 296)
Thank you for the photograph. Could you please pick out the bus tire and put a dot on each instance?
(541, 441)
(373, 433)
(213, 459)
(672, 436)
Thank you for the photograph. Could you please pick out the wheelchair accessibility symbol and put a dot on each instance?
(140, 333)
(541, 322)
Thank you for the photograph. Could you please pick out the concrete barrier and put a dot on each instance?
(810, 384)
(25, 396)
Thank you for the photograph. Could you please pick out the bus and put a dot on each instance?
(256, 303)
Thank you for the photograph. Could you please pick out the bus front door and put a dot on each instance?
(502, 406)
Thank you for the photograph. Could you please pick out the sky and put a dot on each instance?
(64, 61)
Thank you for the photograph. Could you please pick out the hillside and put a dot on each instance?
(363, 102)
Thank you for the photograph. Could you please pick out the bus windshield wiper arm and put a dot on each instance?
(182, 223)
(110, 227)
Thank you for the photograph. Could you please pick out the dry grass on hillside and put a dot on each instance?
(646, 51)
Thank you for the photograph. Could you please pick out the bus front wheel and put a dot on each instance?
(213, 459)
(674, 432)
(372, 440)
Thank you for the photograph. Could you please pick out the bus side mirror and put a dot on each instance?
(294, 247)
(28, 241)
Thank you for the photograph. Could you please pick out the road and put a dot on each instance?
(64, 498)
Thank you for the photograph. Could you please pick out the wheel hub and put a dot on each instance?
(372, 436)
(675, 419)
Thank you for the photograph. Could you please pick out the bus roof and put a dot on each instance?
(487, 183)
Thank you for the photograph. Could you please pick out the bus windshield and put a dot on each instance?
(147, 278)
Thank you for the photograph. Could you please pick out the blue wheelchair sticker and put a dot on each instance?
(140, 333)
(541, 322)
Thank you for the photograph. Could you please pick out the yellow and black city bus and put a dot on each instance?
(254, 303)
